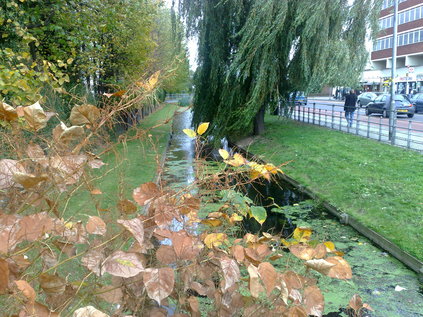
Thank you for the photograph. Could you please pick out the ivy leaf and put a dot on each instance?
(258, 213)
(202, 128)
(190, 133)
(123, 264)
(159, 283)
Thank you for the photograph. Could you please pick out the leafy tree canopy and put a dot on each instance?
(252, 54)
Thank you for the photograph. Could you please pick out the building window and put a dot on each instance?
(403, 17)
(403, 39)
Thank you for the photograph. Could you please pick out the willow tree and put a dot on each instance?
(253, 53)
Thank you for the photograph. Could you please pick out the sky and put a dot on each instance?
(192, 44)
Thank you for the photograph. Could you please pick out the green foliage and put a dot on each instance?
(252, 54)
(101, 45)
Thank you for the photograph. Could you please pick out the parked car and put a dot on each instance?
(300, 98)
(364, 98)
(381, 105)
(417, 100)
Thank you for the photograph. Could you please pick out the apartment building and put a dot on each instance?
(409, 49)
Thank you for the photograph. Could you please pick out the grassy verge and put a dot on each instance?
(128, 165)
(380, 185)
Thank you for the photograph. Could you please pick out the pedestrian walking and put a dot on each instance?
(350, 106)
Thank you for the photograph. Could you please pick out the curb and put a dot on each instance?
(407, 259)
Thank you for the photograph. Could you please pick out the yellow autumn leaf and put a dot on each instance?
(190, 133)
(237, 161)
(235, 218)
(330, 246)
(224, 154)
(203, 128)
(212, 222)
(302, 234)
(214, 240)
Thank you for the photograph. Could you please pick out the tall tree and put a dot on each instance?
(254, 53)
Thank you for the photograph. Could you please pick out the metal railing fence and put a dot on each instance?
(406, 133)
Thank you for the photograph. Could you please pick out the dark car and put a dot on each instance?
(381, 105)
(364, 98)
(417, 100)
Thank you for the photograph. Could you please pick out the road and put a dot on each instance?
(330, 113)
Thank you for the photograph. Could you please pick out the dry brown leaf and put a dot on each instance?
(159, 283)
(126, 206)
(356, 303)
(230, 271)
(7, 112)
(238, 253)
(96, 225)
(123, 264)
(4, 276)
(320, 265)
(314, 301)
(194, 306)
(29, 180)
(341, 269)
(52, 285)
(297, 311)
(110, 294)
(34, 226)
(93, 260)
(7, 169)
(63, 134)
(166, 254)
(302, 251)
(254, 283)
(84, 114)
(185, 246)
(268, 275)
(37, 310)
(320, 251)
(26, 290)
(65, 247)
(35, 116)
(34, 151)
(143, 194)
(88, 311)
(136, 227)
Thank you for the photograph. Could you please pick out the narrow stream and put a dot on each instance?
(383, 282)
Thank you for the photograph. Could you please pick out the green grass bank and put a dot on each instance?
(129, 165)
(378, 184)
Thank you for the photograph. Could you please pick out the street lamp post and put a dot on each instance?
(393, 73)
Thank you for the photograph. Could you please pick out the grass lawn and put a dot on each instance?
(378, 184)
(128, 166)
